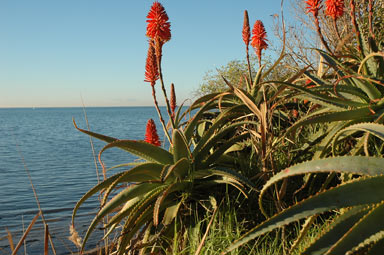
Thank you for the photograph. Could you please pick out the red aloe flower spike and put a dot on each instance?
(151, 69)
(246, 30)
(313, 6)
(259, 39)
(246, 38)
(173, 99)
(158, 25)
(295, 113)
(334, 8)
(159, 30)
(151, 133)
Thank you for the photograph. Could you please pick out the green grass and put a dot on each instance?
(227, 227)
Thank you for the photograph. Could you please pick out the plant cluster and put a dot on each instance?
(246, 143)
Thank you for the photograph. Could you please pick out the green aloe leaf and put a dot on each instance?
(104, 138)
(333, 128)
(325, 104)
(140, 216)
(224, 172)
(180, 146)
(377, 247)
(363, 113)
(363, 232)
(258, 76)
(372, 128)
(179, 170)
(143, 172)
(342, 91)
(332, 100)
(128, 231)
(143, 150)
(211, 159)
(368, 88)
(255, 88)
(191, 125)
(171, 213)
(337, 229)
(205, 99)
(325, 86)
(178, 116)
(121, 198)
(178, 186)
(209, 141)
(134, 205)
(248, 100)
(367, 166)
(221, 120)
(371, 191)
(370, 63)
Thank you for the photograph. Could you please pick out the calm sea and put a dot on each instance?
(61, 164)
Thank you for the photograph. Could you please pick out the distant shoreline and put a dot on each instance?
(75, 107)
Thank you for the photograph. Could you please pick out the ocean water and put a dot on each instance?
(61, 165)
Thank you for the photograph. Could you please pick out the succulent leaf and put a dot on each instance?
(342, 196)
(180, 146)
(143, 150)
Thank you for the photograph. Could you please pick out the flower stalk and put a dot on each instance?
(335, 9)
(159, 31)
(314, 6)
(151, 75)
(355, 26)
(246, 33)
(370, 16)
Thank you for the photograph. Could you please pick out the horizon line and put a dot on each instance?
(40, 107)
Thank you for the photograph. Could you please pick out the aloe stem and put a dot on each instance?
(356, 27)
(336, 29)
(370, 15)
(318, 29)
(165, 94)
(159, 113)
(249, 67)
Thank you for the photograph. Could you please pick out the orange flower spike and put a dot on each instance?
(259, 38)
(151, 133)
(173, 99)
(308, 85)
(334, 8)
(246, 30)
(295, 113)
(151, 69)
(313, 6)
(158, 25)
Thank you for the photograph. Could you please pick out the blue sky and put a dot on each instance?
(53, 53)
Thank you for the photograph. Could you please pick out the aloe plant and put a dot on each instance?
(360, 225)
(166, 184)
(347, 110)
